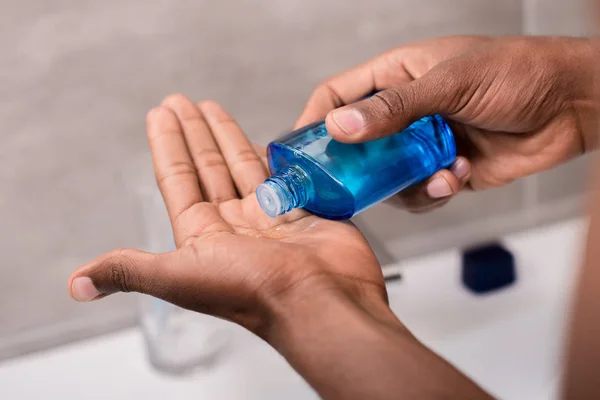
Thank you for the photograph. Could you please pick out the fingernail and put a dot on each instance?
(460, 169)
(350, 121)
(84, 290)
(438, 188)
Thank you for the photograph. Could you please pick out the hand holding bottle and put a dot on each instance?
(312, 288)
(513, 114)
(232, 260)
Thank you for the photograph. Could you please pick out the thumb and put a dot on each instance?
(390, 111)
(124, 270)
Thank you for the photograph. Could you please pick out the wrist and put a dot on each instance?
(349, 345)
(584, 55)
(592, 132)
(320, 306)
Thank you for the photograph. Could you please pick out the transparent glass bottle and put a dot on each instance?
(178, 341)
(334, 180)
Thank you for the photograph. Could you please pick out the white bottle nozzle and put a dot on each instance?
(269, 200)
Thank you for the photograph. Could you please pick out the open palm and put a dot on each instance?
(232, 260)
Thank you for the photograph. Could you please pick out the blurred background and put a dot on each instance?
(78, 76)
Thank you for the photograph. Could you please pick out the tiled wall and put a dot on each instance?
(557, 17)
(77, 77)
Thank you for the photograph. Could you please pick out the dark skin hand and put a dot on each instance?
(232, 261)
(513, 114)
(310, 287)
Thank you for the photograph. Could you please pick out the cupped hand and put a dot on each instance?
(517, 105)
(232, 260)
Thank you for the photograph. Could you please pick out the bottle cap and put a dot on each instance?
(487, 268)
(269, 200)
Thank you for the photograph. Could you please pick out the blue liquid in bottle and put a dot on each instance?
(334, 180)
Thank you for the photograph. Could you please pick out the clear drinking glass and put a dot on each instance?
(178, 341)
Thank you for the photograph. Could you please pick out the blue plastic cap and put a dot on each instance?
(487, 268)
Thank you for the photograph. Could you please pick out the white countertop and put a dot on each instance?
(510, 342)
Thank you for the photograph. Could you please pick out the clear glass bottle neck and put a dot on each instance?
(287, 189)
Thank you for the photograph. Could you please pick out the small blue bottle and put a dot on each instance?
(335, 180)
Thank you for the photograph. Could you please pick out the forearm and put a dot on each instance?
(347, 352)
(592, 133)
(589, 105)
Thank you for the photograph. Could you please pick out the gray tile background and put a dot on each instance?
(76, 80)
(558, 17)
